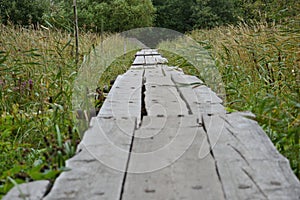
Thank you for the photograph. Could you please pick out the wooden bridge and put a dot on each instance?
(164, 135)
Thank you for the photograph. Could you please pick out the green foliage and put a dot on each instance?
(23, 12)
(260, 68)
(121, 15)
(192, 14)
(37, 129)
(111, 16)
(174, 14)
(188, 15)
(208, 14)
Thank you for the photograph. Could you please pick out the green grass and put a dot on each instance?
(260, 67)
(37, 130)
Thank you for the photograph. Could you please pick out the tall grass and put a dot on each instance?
(37, 131)
(260, 66)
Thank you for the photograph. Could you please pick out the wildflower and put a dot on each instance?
(30, 82)
(24, 84)
(23, 87)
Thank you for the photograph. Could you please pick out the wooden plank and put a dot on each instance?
(154, 73)
(159, 59)
(150, 60)
(139, 60)
(192, 79)
(249, 165)
(97, 171)
(169, 69)
(200, 99)
(148, 57)
(164, 100)
(211, 109)
(156, 171)
(202, 92)
(206, 95)
(124, 99)
(32, 190)
(162, 97)
(137, 67)
(147, 52)
(140, 53)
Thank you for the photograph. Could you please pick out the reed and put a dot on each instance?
(37, 73)
(260, 67)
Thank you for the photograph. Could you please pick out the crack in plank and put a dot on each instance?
(163, 71)
(241, 155)
(143, 95)
(127, 164)
(182, 97)
(213, 156)
(255, 183)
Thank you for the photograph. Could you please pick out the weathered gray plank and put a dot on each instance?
(166, 165)
(192, 79)
(202, 92)
(147, 52)
(159, 59)
(249, 165)
(148, 57)
(140, 53)
(162, 97)
(97, 171)
(139, 60)
(200, 99)
(124, 99)
(28, 191)
(206, 95)
(211, 109)
(150, 60)
(109, 140)
(153, 73)
(168, 70)
(151, 52)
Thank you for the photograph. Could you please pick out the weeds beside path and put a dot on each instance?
(37, 131)
(260, 66)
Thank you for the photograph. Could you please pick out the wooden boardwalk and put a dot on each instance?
(159, 137)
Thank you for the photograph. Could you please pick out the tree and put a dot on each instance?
(174, 14)
(210, 13)
(187, 15)
(203, 15)
(23, 12)
(111, 15)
